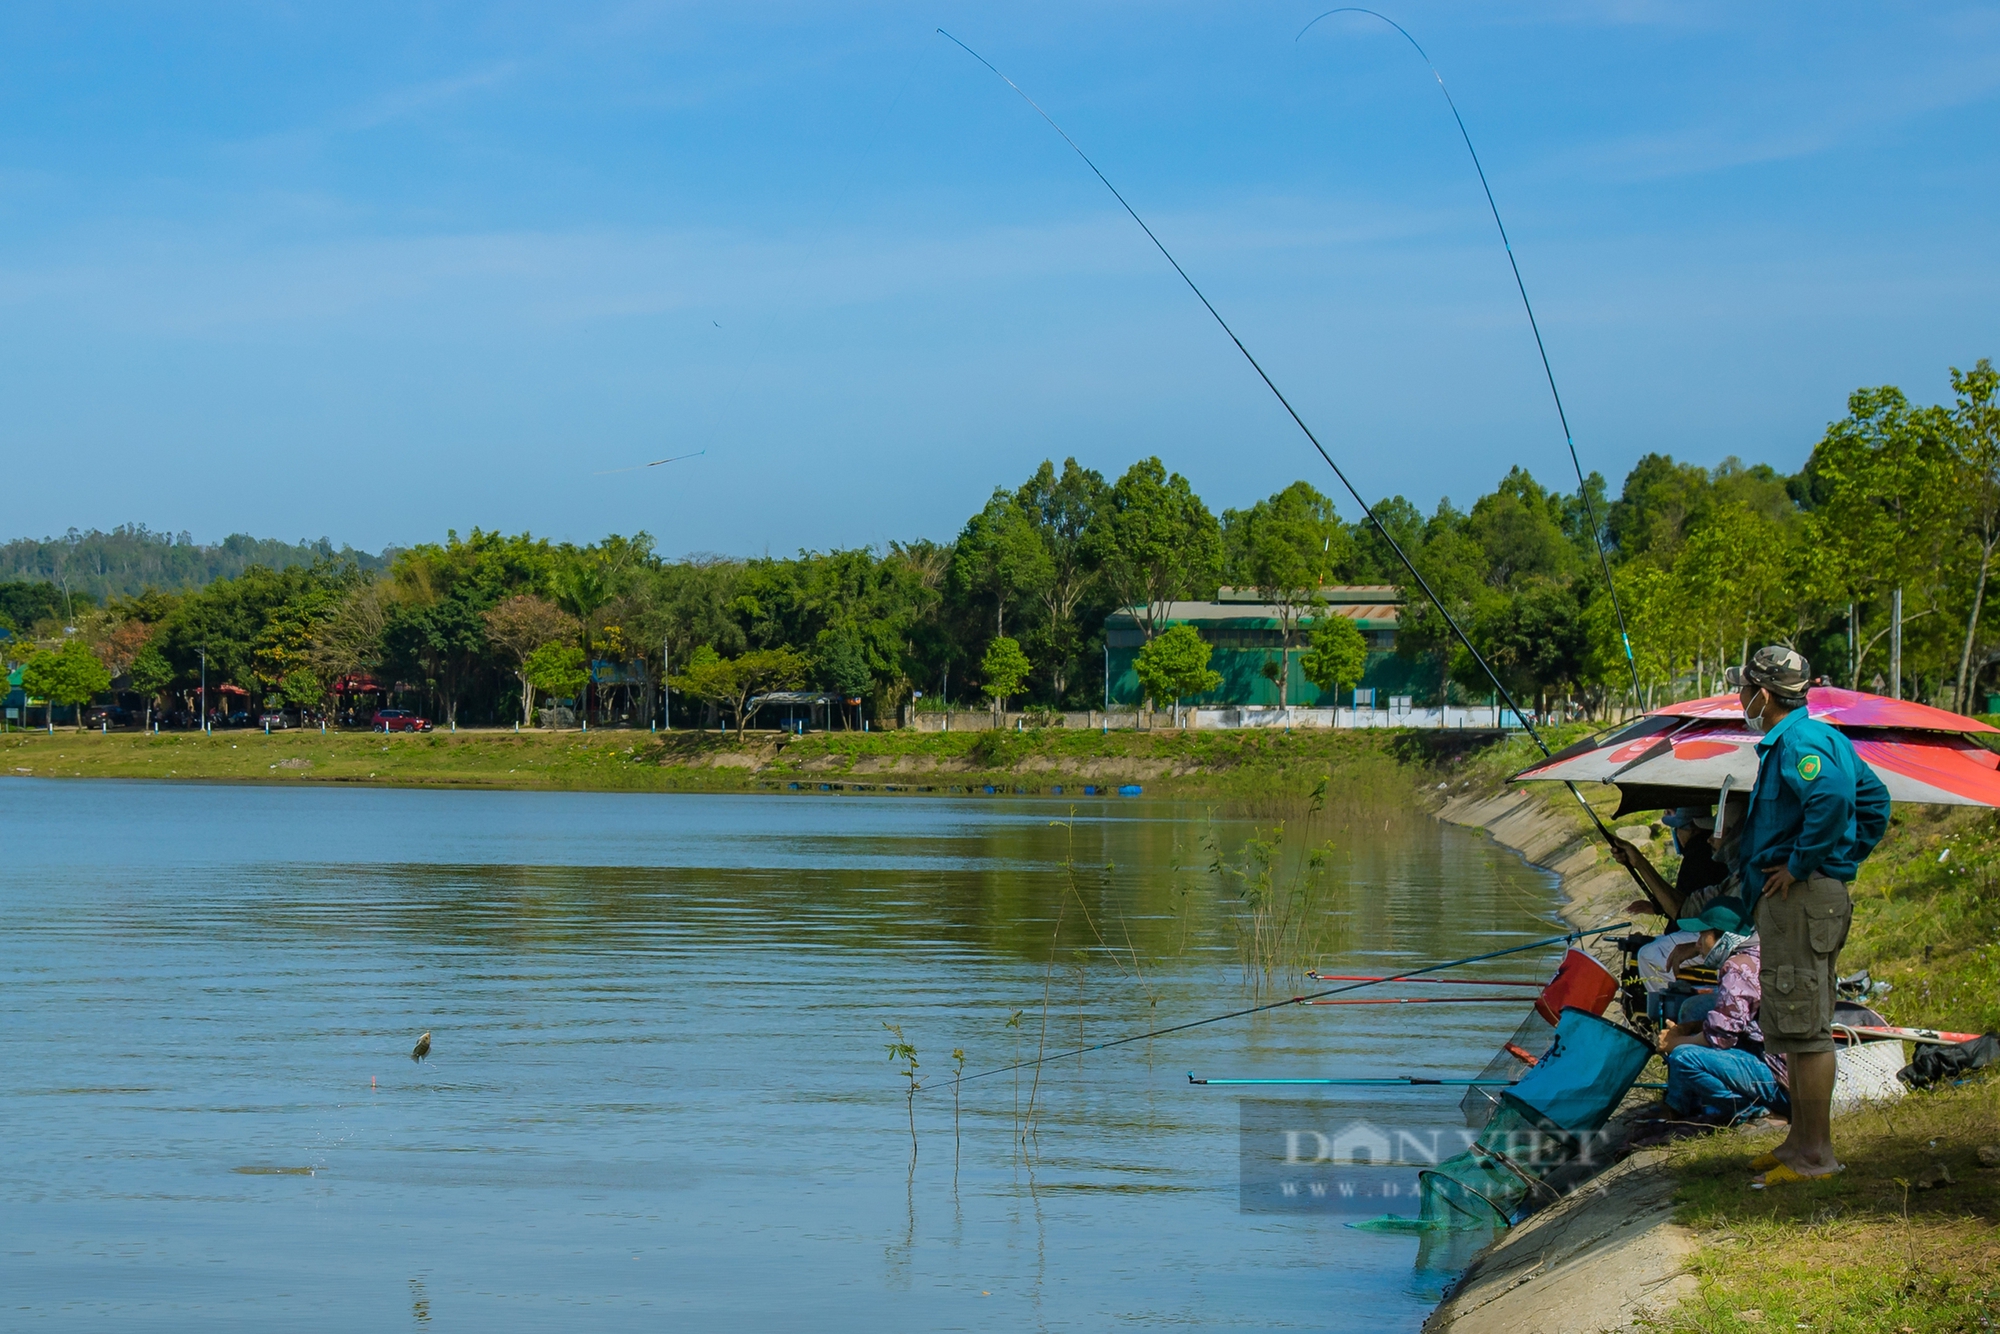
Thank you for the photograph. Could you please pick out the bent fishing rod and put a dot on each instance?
(1397, 1080)
(1582, 487)
(1366, 509)
(1289, 1000)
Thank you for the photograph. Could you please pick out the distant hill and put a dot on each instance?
(132, 558)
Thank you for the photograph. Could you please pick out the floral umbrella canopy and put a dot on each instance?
(1681, 754)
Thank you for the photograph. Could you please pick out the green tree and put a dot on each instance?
(1158, 542)
(1003, 669)
(1284, 547)
(69, 675)
(843, 663)
(1730, 572)
(1975, 446)
(558, 670)
(1336, 654)
(1521, 527)
(1884, 493)
(584, 581)
(518, 626)
(1174, 664)
(1064, 509)
(150, 674)
(733, 682)
(1535, 639)
(1000, 557)
(1656, 615)
(229, 618)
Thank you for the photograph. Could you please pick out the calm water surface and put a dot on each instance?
(659, 1096)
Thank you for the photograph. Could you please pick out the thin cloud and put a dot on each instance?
(404, 103)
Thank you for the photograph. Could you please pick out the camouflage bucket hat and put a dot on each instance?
(1776, 669)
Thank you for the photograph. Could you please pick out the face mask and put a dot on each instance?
(1757, 723)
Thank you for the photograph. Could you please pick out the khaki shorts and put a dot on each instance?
(1800, 937)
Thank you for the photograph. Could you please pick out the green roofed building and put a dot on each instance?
(1244, 632)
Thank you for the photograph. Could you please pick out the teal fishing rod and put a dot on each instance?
(1368, 510)
(1395, 1080)
(1534, 325)
(1291, 1000)
(1380, 1079)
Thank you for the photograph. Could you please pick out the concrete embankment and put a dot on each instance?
(1549, 830)
(1608, 1255)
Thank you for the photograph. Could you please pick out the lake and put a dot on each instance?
(659, 1095)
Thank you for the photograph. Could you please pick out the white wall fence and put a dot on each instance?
(1455, 717)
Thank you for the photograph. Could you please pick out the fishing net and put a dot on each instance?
(1515, 1057)
(1581, 983)
(1546, 1120)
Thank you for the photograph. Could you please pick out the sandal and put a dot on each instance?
(1781, 1175)
(1764, 1162)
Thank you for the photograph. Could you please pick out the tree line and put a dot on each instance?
(1708, 562)
(131, 558)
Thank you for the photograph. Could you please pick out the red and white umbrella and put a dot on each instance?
(1677, 754)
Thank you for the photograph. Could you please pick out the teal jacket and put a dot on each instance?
(1816, 807)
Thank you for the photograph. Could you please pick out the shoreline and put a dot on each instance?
(1248, 765)
(1608, 1255)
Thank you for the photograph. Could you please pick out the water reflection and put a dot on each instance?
(658, 1081)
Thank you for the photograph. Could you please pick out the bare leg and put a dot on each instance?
(1808, 1149)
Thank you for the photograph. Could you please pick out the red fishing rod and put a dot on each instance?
(1421, 981)
(1426, 1000)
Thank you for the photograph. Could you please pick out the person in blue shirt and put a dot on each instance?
(1816, 811)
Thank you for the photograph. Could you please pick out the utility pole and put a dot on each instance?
(204, 690)
(666, 671)
(1896, 644)
(1853, 668)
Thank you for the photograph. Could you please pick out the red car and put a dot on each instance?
(399, 720)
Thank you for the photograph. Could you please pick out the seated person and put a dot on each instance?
(1704, 872)
(1717, 1069)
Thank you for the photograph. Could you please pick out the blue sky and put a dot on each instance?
(377, 272)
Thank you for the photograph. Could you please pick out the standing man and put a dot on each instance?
(1815, 812)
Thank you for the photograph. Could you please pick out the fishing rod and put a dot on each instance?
(1422, 981)
(1290, 1000)
(1427, 1000)
(1366, 509)
(1582, 487)
(639, 467)
(1382, 1079)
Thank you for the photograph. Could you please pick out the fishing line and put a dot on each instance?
(1292, 412)
(1291, 1000)
(1582, 487)
(762, 331)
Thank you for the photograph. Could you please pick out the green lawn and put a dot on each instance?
(1231, 764)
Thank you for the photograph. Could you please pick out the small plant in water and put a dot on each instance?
(1285, 918)
(903, 1051)
(1014, 1022)
(957, 1078)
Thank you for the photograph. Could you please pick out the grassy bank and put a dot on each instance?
(1873, 1249)
(1245, 765)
